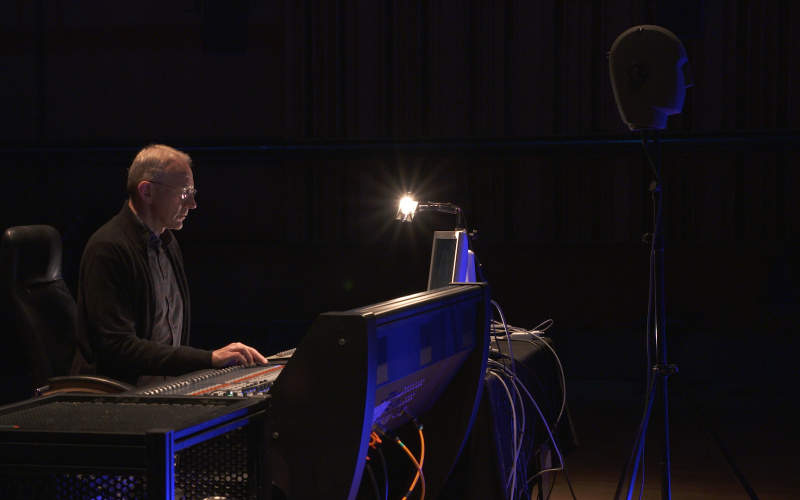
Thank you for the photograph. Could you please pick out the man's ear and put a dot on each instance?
(145, 191)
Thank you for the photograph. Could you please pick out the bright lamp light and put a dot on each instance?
(408, 207)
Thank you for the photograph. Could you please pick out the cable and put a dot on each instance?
(541, 328)
(556, 448)
(373, 481)
(519, 385)
(419, 475)
(539, 411)
(493, 367)
(512, 480)
(512, 472)
(563, 381)
(374, 443)
(421, 457)
(505, 327)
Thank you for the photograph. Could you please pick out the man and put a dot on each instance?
(133, 299)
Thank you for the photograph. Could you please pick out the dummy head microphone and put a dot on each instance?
(649, 75)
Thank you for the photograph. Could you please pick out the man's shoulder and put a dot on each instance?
(112, 231)
(120, 231)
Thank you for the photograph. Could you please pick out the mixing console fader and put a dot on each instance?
(232, 381)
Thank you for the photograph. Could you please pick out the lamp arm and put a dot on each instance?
(447, 208)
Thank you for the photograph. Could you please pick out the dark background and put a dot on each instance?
(308, 120)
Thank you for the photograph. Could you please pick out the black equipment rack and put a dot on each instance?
(129, 439)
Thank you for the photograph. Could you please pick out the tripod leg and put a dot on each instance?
(666, 493)
(631, 470)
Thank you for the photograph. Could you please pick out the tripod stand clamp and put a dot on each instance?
(666, 370)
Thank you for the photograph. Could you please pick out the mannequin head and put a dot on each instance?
(649, 75)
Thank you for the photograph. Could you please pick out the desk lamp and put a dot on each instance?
(409, 207)
(452, 260)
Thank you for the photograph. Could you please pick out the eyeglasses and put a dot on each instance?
(185, 192)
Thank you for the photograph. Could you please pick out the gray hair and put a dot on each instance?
(151, 162)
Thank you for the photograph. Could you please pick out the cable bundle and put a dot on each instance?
(503, 369)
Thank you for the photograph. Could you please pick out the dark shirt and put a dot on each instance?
(169, 303)
(168, 317)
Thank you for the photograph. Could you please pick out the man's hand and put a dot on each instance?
(236, 354)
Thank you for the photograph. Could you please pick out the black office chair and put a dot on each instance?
(39, 312)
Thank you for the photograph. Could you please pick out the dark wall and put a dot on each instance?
(307, 120)
(194, 70)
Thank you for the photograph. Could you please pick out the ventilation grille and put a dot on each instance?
(216, 467)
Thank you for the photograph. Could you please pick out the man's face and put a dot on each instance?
(172, 196)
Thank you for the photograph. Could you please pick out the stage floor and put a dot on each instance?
(754, 425)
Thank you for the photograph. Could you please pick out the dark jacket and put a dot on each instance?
(116, 304)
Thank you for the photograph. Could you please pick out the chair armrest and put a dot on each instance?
(94, 384)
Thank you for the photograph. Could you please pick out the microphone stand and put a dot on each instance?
(657, 382)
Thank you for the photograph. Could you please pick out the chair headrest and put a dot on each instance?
(30, 255)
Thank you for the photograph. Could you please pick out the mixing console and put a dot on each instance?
(232, 381)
